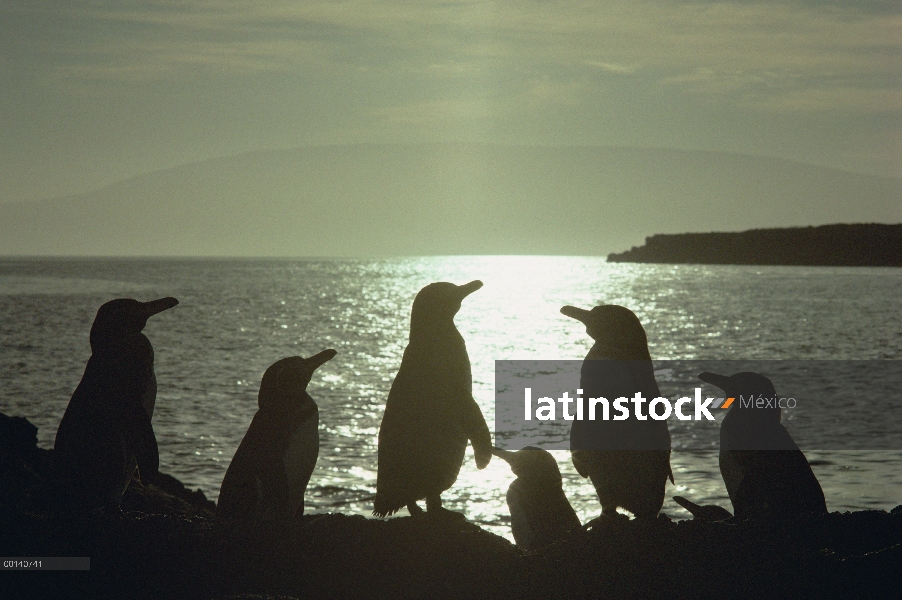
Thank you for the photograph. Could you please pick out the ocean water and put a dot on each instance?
(236, 317)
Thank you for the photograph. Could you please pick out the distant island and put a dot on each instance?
(840, 245)
(374, 200)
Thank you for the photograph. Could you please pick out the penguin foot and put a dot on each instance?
(433, 502)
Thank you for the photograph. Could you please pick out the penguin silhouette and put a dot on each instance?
(540, 511)
(269, 473)
(627, 461)
(106, 430)
(765, 472)
(430, 413)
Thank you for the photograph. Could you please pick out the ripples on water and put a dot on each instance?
(236, 317)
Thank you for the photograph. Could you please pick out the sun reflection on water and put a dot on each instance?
(237, 317)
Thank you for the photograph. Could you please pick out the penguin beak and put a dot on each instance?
(506, 455)
(721, 381)
(317, 360)
(520, 462)
(579, 314)
(511, 458)
(468, 288)
(157, 306)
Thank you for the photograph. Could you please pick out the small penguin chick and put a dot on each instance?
(540, 511)
(532, 464)
(708, 512)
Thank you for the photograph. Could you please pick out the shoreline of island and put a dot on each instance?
(837, 245)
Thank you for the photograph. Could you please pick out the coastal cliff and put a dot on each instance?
(841, 245)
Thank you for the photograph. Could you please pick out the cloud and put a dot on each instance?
(770, 55)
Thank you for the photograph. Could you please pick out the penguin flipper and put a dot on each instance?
(524, 536)
(478, 433)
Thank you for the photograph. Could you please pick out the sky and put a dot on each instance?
(93, 92)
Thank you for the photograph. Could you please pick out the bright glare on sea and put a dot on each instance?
(236, 317)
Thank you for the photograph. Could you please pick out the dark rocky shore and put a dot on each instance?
(166, 544)
(856, 245)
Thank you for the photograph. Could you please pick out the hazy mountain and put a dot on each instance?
(366, 200)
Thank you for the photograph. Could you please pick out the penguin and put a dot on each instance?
(765, 472)
(540, 511)
(430, 413)
(106, 430)
(627, 461)
(269, 473)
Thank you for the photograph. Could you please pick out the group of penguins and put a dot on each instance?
(106, 439)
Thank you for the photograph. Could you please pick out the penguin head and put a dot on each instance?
(617, 331)
(119, 320)
(437, 303)
(285, 381)
(532, 465)
(746, 384)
